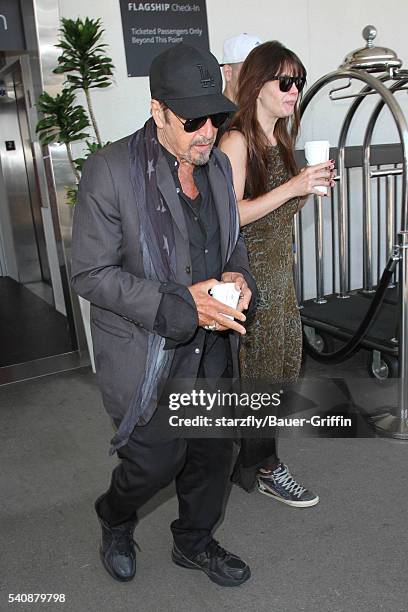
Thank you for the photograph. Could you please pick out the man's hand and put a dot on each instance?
(241, 286)
(210, 310)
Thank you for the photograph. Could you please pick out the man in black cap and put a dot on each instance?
(155, 228)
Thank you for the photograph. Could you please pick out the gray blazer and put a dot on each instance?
(107, 267)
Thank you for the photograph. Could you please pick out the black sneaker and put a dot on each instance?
(221, 566)
(281, 485)
(117, 550)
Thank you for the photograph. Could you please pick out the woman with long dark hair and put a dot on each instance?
(260, 143)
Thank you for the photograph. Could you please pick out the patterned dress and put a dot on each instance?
(272, 347)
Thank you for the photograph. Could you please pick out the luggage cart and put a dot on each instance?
(343, 313)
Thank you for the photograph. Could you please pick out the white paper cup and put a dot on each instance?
(317, 152)
(227, 294)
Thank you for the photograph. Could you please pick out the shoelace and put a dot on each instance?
(283, 477)
(123, 542)
(215, 550)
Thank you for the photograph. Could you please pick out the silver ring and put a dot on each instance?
(212, 327)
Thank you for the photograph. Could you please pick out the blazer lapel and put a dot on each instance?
(166, 187)
(219, 191)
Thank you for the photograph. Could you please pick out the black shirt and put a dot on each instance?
(202, 223)
(207, 354)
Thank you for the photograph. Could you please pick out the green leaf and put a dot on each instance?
(79, 42)
(86, 67)
(44, 124)
(79, 163)
(71, 195)
(99, 85)
(62, 120)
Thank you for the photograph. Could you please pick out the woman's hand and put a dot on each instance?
(305, 183)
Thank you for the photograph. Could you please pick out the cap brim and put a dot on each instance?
(199, 106)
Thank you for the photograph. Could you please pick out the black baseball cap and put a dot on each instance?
(188, 80)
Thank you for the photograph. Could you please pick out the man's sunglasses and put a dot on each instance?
(192, 125)
(286, 82)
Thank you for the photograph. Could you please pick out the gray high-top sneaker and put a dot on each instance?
(282, 486)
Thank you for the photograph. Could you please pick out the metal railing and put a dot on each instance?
(391, 181)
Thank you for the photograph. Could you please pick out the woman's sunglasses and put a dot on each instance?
(192, 125)
(286, 82)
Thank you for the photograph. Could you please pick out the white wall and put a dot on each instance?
(320, 32)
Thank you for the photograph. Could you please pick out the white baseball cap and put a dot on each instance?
(238, 47)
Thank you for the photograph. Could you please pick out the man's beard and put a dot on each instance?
(202, 158)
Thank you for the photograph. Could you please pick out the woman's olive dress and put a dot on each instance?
(272, 347)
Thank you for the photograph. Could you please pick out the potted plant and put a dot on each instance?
(83, 62)
(63, 121)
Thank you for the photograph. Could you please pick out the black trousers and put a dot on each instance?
(254, 454)
(150, 461)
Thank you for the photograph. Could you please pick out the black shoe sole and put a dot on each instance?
(183, 561)
(111, 572)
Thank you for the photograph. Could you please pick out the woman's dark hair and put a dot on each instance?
(268, 60)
